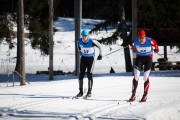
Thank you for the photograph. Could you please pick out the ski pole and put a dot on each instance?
(166, 61)
(22, 77)
(115, 51)
(161, 56)
(65, 65)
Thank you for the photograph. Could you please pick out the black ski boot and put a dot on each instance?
(144, 97)
(80, 94)
(88, 94)
(133, 97)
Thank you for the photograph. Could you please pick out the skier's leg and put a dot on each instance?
(134, 84)
(147, 70)
(146, 85)
(146, 89)
(90, 83)
(146, 81)
(136, 73)
(137, 68)
(89, 75)
(81, 76)
(81, 86)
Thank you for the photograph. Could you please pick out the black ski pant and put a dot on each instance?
(86, 63)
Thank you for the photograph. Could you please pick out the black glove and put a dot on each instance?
(99, 57)
(156, 50)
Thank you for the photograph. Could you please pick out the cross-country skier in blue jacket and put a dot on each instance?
(87, 50)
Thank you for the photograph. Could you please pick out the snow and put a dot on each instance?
(45, 99)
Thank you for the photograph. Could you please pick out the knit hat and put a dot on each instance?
(85, 32)
(141, 33)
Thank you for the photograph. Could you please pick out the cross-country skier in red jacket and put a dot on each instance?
(144, 52)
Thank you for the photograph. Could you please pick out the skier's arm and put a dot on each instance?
(154, 44)
(78, 47)
(98, 45)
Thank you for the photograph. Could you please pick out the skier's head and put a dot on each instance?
(85, 35)
(142, 36)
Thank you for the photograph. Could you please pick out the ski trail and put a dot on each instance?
(100, 111)
(97, 112)
(23, 110)
(34, 104)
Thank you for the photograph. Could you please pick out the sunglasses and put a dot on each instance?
(141, 37)
(84, 35)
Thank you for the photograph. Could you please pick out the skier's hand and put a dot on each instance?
(99, 57)
(156, 50)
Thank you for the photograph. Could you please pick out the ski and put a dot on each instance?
(86, 97)
(75, 97)
(140, 101)
(82, 97)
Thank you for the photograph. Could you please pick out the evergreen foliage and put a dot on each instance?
(6, 25)
(37, 18)
(152, 14)
(159, 14)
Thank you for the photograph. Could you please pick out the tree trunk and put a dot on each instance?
(17, 68)
(127, 59)
(134, 24)
(78, 25)
(127, 56)
(51, 40)
(21, 40)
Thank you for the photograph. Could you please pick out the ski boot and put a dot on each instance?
(88, 94)
(144, 97)
(133, 98)
(80, 94)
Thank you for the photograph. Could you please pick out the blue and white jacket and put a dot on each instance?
(146, 48)
(87, 49)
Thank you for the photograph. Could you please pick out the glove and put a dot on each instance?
(99, 57)
(156, 50)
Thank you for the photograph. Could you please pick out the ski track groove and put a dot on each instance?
(98, 112)
(31, 104)
(95, 113)
(17, 110)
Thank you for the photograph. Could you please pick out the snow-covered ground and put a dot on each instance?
(44, 99)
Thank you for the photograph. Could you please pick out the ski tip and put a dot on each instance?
(130, 100)
(75, 97)
(86, 97)
(142, 101)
